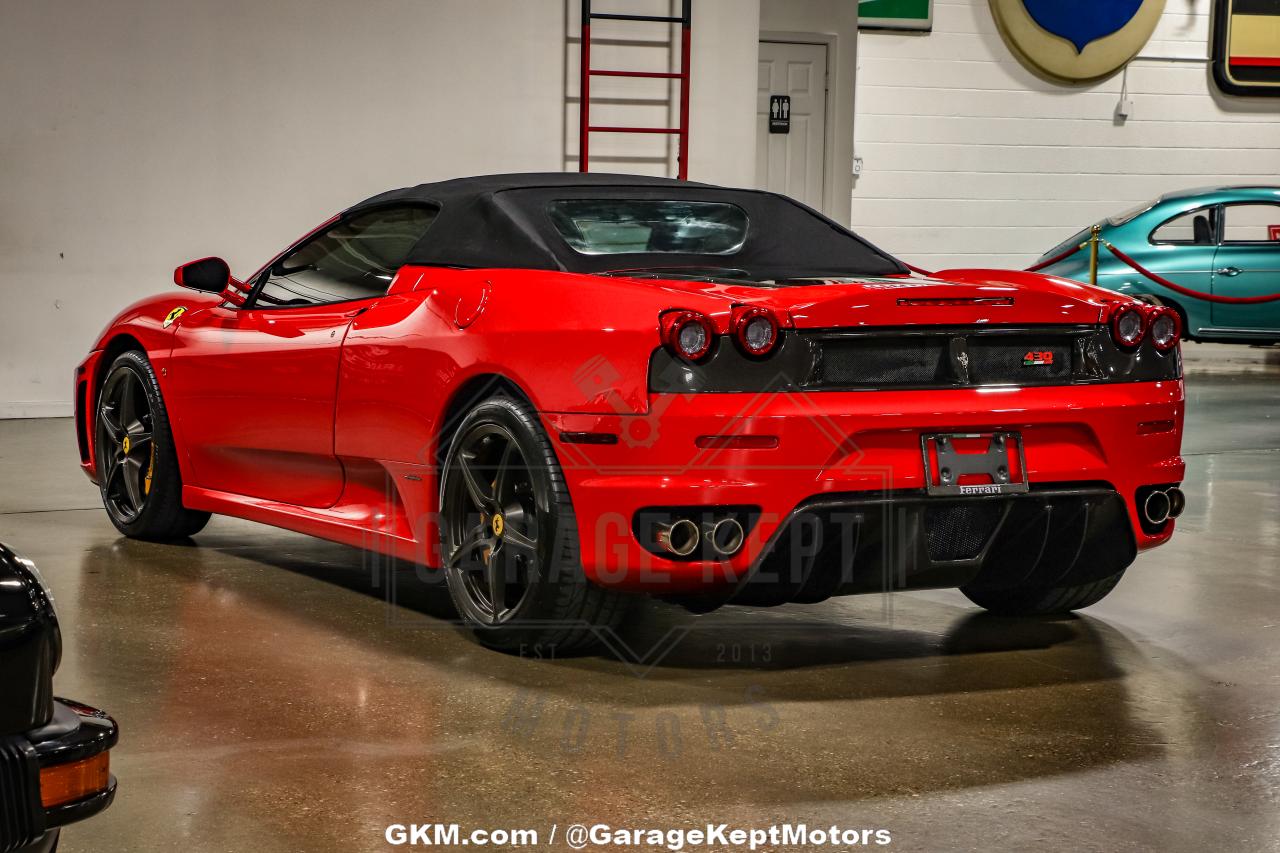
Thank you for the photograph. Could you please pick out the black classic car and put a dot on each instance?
(54, 753)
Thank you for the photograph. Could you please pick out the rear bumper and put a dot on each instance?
(76, 733)
(849, 544)
(1115, 437)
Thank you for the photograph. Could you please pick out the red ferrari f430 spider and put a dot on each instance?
(563, 390)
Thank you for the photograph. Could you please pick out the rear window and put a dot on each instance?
(620, 226)
(1114, 221)
(1131, 214)
(1075, 240)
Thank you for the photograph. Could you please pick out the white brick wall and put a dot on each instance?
(972, 160)
(138, 134)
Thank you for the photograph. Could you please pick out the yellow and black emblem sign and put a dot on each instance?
(174, 315)
(498, 524)
(1246, 47)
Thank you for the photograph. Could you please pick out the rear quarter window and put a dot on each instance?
(1193, 228)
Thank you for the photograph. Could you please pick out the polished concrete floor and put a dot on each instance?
(272, 698)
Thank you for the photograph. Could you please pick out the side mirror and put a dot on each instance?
(211, 275)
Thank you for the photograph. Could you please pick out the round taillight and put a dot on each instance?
(688, 334)
(756, 331)
(1166, 328)
(1128, 325)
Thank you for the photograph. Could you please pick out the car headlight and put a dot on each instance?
(23, 574)
(40, 582)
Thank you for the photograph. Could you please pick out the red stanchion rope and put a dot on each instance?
(1055, 259)
(1194, 294)
(1139, 268)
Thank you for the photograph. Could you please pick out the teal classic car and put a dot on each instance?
(1220, 242)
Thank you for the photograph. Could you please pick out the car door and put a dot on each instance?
(1181, 250)
(255, 386)
(1248, 264)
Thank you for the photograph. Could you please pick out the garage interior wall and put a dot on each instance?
(781, 20)
(139, 134)
(973, 160)
(722, 102)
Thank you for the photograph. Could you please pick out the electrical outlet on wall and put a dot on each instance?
(857, 166)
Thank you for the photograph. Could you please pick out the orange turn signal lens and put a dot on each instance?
(66, 783)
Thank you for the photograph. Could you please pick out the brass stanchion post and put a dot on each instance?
(1093, 254)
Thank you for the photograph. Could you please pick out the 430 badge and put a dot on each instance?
(1037, 359)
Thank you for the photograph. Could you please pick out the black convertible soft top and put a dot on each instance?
(502, 221)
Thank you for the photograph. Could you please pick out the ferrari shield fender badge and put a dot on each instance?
(1079, 40)
(173, 315)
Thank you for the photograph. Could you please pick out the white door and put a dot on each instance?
(793, 163)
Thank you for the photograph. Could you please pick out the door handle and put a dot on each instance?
(1229, 272)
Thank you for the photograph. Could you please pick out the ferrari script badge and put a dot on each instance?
(174, 315)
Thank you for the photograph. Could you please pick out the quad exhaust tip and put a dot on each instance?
(1162, 505)
(680, 537)
(725, 536)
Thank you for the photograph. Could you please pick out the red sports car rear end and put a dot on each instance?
(990, 431)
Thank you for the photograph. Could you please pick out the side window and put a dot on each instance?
(355, 259)
(1188, 229)
(1252, 223)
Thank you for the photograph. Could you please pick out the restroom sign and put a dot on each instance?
(779, 113)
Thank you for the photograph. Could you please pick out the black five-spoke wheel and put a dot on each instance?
(126, 446)
(137, 466)
(492, 523)
(509, 537)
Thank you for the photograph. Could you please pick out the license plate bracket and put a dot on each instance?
(1000, 469)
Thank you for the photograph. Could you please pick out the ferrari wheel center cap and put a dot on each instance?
(497, 524)
(125, 445)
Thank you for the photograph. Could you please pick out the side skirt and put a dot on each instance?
(374, 512)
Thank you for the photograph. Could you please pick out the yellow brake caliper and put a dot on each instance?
(151, 470)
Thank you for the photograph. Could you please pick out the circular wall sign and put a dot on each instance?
(1079, 40)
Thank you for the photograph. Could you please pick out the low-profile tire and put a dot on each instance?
(510, 539)
(138, 473)
(1041, 601)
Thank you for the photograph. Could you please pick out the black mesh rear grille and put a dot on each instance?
(948, 359)
(18, 796)
(880, 362)
(960, 531)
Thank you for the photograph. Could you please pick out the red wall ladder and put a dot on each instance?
(586, 128)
